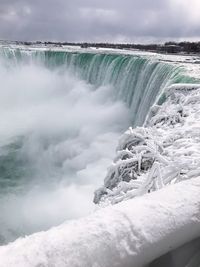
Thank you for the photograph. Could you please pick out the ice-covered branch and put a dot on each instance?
(166, 150)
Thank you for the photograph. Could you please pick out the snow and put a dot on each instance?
(165, 151)
(129, 234)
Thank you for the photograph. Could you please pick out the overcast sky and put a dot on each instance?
(100, 20)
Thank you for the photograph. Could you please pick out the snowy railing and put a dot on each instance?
(130, 234)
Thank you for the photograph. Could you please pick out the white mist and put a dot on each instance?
(68, 131)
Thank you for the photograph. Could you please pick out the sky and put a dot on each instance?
(138, 21)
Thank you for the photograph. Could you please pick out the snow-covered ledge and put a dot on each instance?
(129, 234)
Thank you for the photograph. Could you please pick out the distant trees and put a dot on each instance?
(188, 47)
(168, 47)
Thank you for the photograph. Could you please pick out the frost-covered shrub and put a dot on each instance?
(166, 150)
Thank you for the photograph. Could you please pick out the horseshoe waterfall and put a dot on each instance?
(99, 158)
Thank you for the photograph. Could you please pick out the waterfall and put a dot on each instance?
(136, 80)
(62, 114)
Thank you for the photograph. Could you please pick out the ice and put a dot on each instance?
(165, 151)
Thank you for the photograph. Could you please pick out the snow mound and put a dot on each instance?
(165, 151)
(130, 234)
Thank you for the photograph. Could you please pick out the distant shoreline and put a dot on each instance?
(182, 48)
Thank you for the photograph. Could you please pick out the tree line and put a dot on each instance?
(168, 47)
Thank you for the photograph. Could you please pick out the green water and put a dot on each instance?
(136, 80)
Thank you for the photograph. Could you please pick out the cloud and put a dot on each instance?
(94, 20)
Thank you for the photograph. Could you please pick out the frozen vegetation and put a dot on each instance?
(164, 152)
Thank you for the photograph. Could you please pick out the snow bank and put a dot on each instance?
(165, 151)
(129, 234)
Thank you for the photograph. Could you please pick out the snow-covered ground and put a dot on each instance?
(129, 234)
